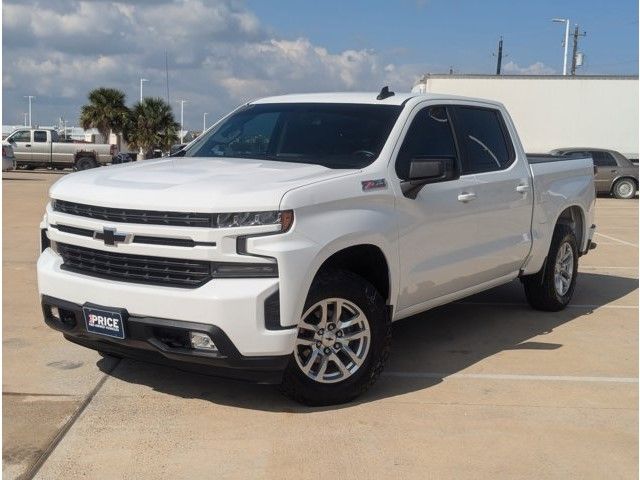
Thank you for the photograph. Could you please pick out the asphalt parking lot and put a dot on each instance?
(484, 388)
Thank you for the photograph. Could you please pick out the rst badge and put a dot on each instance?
(104, 322)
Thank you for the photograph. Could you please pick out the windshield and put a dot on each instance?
(333, 135)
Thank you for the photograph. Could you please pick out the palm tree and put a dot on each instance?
(105, 111)
(152, 125)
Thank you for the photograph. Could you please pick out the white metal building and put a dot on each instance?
(552, 111)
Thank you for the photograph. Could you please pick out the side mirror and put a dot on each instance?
(424, 170)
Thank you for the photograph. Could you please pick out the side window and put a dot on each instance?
(21, 136)
(54, 136)
(603, 159)
(40, 136)
(483, 140)
(429, 136)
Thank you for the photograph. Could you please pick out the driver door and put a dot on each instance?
(22, 148)
(437, 229)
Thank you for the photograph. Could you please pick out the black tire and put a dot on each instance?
(625, 188)
(85, 163)
(349, 286)
(540, 288)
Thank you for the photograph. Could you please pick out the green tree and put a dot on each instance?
(152, 125)
(105, 111)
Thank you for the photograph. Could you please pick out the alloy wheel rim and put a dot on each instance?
(624, 189)
(333, 340)
(563, 273)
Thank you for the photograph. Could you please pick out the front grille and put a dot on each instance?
(146, 217)
(171, 272)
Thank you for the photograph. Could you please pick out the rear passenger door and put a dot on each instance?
(503, 204)
(607, 170)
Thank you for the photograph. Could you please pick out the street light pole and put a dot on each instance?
(204, 122)
(182, 102)
(142, 80)
(566, 41)
(30, 97)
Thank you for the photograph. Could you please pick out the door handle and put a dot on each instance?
(28, 145)
(523, 188)
(466, 197)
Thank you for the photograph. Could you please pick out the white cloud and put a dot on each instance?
(537, 68)
(219, 55)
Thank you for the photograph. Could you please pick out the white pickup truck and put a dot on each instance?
(282, 243)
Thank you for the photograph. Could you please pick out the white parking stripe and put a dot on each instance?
(604, 267)
(514, 304)
(617, 240)
(499, 376)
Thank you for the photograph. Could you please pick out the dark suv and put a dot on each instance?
(615, 173)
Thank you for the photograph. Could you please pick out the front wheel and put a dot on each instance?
(551, 289)
(624, 188)
(343, 341)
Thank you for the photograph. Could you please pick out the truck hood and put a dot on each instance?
(191, 184)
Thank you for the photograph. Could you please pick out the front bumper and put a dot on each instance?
(166, 342)
(232, 309)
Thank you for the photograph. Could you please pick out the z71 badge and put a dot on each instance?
(373, 184)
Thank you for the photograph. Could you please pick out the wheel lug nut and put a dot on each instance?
(339, 334)
(318, 344)
(321, 331)
(327, 350)
(337, 346)
(331, 326)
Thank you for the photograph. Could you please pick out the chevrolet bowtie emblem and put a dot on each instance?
(110, 237)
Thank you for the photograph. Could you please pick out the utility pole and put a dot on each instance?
(566, 40)
(499, 66)
(574, 58)
(30, 97)
(204, 122)
(25, 118)
(142, 80)
(166, 69)
(182, 102)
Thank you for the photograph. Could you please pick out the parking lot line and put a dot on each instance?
(604, 267)
(500, 376)
(516, 304)
(617, 240)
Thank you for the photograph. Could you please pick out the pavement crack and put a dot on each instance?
(33, 470)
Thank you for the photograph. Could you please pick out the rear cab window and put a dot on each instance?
(485, 144)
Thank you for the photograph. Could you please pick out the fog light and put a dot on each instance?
(202, 341)
(55, 313)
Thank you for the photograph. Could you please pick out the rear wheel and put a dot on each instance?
(85, 163)
(624, 188)
(343, 341)
(552, 287)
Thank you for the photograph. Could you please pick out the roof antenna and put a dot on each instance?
(385, 93)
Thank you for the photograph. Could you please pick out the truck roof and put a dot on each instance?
(362, 98)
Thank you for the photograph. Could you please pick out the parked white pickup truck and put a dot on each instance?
(39, 147)
(282, 243)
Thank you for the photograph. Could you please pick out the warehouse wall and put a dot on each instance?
(554, 111)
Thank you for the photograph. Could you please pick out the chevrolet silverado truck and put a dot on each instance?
(43, 148)
(281, 244)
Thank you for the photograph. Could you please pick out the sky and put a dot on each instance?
(222, 53)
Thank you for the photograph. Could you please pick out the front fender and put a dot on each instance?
(320, 231)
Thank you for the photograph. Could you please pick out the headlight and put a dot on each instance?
(249, 219)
